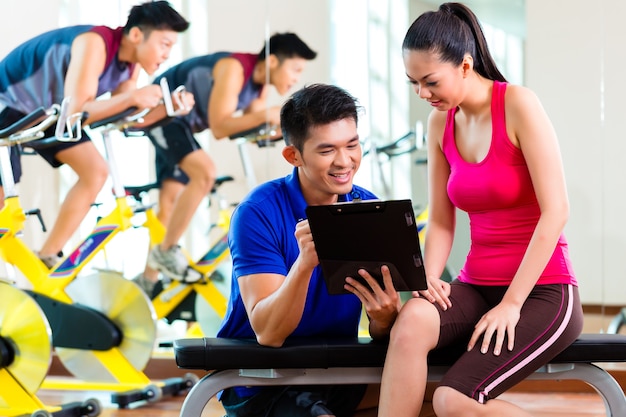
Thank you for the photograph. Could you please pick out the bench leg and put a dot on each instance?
(608, 388)
(211, 384)
(618, 322)
(598, 378)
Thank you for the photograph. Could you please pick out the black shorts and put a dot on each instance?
(295, 401)
(550, 320)
(8, 116)
(166, 171)
(172, 142)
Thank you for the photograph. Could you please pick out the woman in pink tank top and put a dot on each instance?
(492, 152)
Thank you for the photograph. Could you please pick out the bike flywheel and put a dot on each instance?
(126, 305)
(25, 332)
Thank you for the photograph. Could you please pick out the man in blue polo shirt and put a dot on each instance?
(278, 290)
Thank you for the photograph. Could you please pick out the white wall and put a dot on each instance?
(19, 23)
(575, 64)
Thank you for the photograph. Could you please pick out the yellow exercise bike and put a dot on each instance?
(103, 326)
(202, 302)
(25, 333)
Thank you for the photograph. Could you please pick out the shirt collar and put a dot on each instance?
(296, 198)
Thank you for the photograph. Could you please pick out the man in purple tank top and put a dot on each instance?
(83, 63)
(222, 83)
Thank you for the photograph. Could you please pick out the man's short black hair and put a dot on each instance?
(155, 15)
(315, 105)
(287, 45)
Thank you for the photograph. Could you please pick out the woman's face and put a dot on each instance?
(439, 83)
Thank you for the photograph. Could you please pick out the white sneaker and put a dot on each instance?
(173, 264)
(145, 284)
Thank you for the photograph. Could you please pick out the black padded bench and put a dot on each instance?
(237, 362)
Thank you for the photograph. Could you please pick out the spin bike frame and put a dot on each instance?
(18, 399)
(176, 292)
(12, 217)
(52, 283)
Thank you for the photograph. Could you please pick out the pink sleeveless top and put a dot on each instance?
(498, 195)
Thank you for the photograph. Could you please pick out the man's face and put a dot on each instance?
(286, 74)
(328, 162)
(155, 49)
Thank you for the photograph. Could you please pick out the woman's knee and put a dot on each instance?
(448, 402)
(418, 320)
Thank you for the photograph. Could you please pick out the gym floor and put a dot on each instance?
(539, 404)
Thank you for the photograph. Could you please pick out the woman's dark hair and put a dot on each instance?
(287, 45)
(451, 32)
(155, 15)
(315, 105)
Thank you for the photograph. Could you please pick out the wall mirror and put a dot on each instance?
(569, 54)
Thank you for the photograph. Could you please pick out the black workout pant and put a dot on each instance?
(551, 319)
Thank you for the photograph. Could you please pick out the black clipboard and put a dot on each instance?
(368, 234)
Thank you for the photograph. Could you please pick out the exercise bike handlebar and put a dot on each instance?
(262, 135)
(122, 120)
(30, 127)
(24, 122)
(397, 147)
(127, 120)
